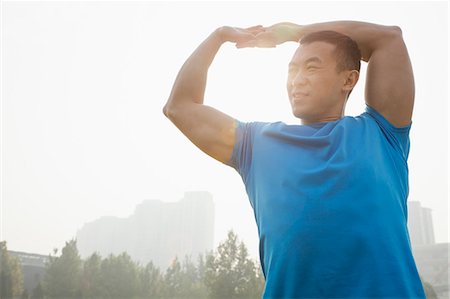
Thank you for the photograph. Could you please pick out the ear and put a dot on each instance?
(351, 78)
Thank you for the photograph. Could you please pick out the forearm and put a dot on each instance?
(190, 84)
(368, 36)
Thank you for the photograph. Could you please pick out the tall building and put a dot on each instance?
(157, 231)
(433, 264)
(420, 224)
(432, 259)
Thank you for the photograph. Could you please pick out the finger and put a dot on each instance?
(265, 44)
(256, 30)
(255, 45)
(254, 27)
(244, 37)
(249, 44)
(260, 43)
(264, 35)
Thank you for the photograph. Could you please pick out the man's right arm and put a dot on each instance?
(209, 129)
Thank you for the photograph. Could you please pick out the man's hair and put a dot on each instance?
(348, 55)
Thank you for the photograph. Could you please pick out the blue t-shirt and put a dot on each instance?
(329, 201)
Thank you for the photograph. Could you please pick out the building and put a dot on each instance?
(420, 224)
(431, 259)
(433, 265)
(157, 231)
(33, 268)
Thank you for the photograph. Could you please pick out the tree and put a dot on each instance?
(230, 273)
(172, 280)
(151, 281)
(62, 279)
(91, 284)
(11, 277)
(191, 284)
(38, 292)
(428, 289)
(120, 277)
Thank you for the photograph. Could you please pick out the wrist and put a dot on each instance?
(219, 35)
(294, 31)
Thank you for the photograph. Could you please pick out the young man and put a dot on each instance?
(329, 195)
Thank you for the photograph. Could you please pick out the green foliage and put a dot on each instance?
(91, 283)
(230, 273)
(183, 281)
(38, 292)
(227, 273)
(428, 289)
(120, 277)
(62, 279)
(11, 279)
(152, 281)
(172, 280)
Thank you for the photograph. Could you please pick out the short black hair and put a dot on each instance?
(347, 53)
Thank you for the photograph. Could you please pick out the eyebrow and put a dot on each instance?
(311, 59)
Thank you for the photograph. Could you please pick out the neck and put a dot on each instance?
(320, 120)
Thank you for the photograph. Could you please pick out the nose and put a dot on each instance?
(298, 79)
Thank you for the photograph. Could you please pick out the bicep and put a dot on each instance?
(390, 81)
(211, 130)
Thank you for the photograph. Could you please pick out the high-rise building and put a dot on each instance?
(420, 224)
(157, 231)
(433, 264)
(431, 258)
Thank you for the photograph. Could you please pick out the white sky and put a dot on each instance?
(84, 83)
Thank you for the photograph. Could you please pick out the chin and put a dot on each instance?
(298, 113)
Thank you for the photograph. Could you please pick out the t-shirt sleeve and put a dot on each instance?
(397, 137)
(241, 157)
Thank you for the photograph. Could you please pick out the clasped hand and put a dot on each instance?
(259, 36)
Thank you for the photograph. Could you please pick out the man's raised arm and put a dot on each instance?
(209, 129)
(389, 79)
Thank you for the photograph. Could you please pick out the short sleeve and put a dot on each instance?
(241, 157)
(397, 137)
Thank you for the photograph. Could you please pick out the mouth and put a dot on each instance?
(298, 95)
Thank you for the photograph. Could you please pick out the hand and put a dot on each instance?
(238, 35)
(270, 37)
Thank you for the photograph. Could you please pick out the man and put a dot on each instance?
(329, 195)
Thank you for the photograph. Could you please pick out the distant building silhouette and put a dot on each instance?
(420, 224)
(433, 264)
(33, 268)
(157, 231)
(432, 260)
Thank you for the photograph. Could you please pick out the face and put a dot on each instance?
(314, 86)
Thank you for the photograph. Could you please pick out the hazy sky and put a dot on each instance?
(84, 83)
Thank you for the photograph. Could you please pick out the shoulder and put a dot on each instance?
(257, 127)
(397, 137)
(373, 114)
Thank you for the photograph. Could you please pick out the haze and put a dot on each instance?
(84, 83)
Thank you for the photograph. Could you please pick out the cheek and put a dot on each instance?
(324, 84)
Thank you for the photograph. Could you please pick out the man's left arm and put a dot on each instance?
(389, 79)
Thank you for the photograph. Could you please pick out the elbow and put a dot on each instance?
(170, 111)
(395, 31)
(388, 34)
(167, 109)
